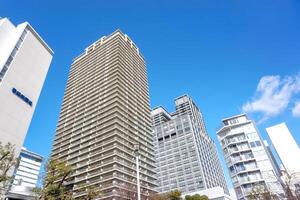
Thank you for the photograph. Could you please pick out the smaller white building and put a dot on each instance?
(215, 193)
(286, 147)
(26, 175)
(289, 154)
(248, 158)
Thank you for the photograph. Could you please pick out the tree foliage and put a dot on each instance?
(8, 161)
(54, 187)
(259, 193)
(172, 195)
(91, 192)
(196, 197)
(163, 196)
(175, 195)
(290, 189)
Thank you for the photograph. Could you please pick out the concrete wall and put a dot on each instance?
(26, 73)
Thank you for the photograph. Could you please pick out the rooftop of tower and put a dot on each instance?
(104, 39)
(232, 121)
(178, 101)
(160, 108)
(26, 25)
(234, 116)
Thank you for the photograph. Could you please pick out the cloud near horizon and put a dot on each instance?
(273, 96)
(296, 109)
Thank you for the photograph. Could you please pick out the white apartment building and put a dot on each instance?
(248, 160)
(289, 154)
(26, 175)
(282, 138)
(186, 156)
(24, 63)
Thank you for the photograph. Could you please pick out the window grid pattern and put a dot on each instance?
(105, 111)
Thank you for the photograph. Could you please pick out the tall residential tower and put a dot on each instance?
(24, 62)
(248, 159)
(186, 156)
(105, 112)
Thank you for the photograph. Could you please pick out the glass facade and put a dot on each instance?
(186, 156)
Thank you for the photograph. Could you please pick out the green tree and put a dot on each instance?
(162, 196)
(172, 195)
(196, 197)
(91, 192)
(8, 161)
(54, 186)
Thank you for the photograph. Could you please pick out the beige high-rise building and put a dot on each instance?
(105, 112)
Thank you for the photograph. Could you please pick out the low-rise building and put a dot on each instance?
(26, 176)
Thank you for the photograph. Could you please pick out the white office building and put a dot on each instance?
(26, 175)
(281, 139)
(288, 151)
(24, 63)
(249, 161)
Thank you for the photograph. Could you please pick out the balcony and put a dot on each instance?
(237, 150)
(242, 158)
(248, 180)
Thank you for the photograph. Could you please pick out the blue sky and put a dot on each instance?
(216, 51)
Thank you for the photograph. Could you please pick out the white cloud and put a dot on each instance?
(296, 109)
(273, 95)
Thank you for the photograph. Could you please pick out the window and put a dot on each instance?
(251, 135)
(234, 121)
(232, 170)
(179, 127)
(255, 144)
(180, 132)
(258, 144)
(173, 134)
(187, 129)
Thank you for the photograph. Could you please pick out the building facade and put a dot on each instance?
(26, 175)
(24, 63)
(105, 112)
(186, 156)
(248, 159)
(215, 193)
(282, 138)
